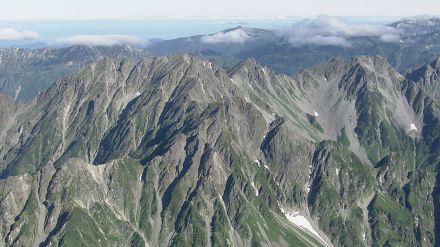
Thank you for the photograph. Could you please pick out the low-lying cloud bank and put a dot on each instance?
(325, 30)
(234, 36)
(11, 34)
(102, 40)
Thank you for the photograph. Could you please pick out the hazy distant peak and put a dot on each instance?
(426, 73)
(414, 26)
(237, 35)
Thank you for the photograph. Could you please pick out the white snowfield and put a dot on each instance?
(316, 114)
(412, 127)
(302, 222)
(255, 188)
(203, 88)
(308, 179)
(258, 163)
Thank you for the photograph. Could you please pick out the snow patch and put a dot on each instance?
(207, 64)
(17, 92)
(265, 166)
(412, 127)
(308, 180)
(337, 172)
(138, 94)
(203, 88)
(66, 112)
(258, 163)
(316, 114)
(255, 188)
(233, 81)
(302, 222)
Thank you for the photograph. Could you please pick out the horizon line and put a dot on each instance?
(245, 17)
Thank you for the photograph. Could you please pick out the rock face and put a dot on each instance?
(177, 151)
(25, 73)
(428, 77)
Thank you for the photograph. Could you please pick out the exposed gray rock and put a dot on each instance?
(175, 151)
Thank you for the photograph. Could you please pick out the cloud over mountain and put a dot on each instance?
(326, 30)
(390, 38)
(234, 36)
(13, 34)
(102, 40)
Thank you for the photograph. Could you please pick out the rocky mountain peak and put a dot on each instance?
(178, 151)
(425, 71)
(428, 77)
(247, 66)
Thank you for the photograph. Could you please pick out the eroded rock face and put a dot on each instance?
(176, 151)
(428, 78)
(25, 73)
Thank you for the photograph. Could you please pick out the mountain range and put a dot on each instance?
(177, 151)
(417, 44)
(24, 73)
(132, 148)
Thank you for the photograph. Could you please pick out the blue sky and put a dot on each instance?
(139, 9)
(151, 28)
(48, 31)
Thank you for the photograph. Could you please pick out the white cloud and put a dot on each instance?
(390, 38)
(325, 30)
(102, 40)
(13, 34)
(234, 36)
(324, 40)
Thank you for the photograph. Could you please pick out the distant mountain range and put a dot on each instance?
(24, 71)
(418, 45)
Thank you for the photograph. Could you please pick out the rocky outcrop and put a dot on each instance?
(176, 151)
